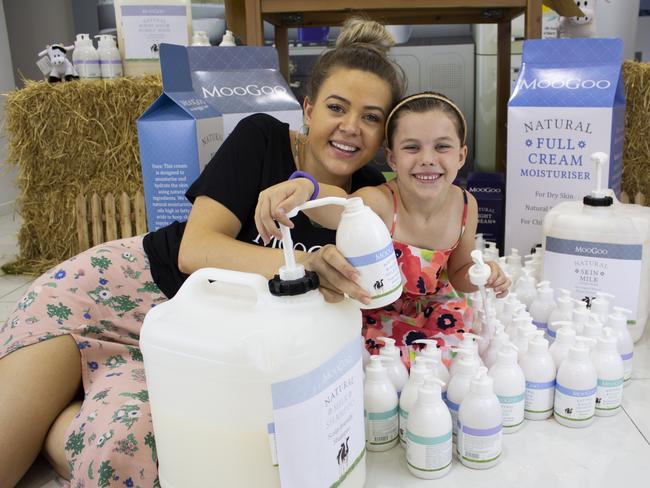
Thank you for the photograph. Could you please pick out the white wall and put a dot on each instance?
(8, 190)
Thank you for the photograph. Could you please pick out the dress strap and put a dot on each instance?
(392, 227)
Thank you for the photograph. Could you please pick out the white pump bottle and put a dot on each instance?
(513, 262)
(618, 322)
(565, 338)
(579, 316)
(600, 305)
(85, 58)
(563, 312)
(397, 371)
(542, 305)
(480, 424)
(525, 288)
(539, 370)
(458, 389)
(499, 340)
(429, 434)
(109, 57)
(609, 368)
(419, 372)
(469, 343)
(575, 389)
(434, 355)
(510, 388)
(380, 407)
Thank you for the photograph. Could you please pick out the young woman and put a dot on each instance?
(71, 370)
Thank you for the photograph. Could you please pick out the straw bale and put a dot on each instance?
(636, 150)
(66, 139)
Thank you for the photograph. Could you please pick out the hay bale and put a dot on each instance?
(66, 139)
(636, 150)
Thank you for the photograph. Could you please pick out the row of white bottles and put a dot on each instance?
(92, 64)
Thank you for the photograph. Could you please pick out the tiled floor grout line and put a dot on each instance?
(636, 426)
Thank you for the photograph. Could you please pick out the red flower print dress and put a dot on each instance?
(429, 308)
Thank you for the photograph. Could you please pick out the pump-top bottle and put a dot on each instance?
(609, 368)
(510, 388)
(85, 58)
(513, 261)
(525, 332)
(562, 312)
(380, 407)
(600, 305)
(542, 305)
(419, 371)
(618, 322)
(579, 316)
(575, 389)
(539, 370)
(469, 343)
(458, 389)
(500, 339)
(434, 355)
(525, 288)
(593, 328)
(397, 371)
(565, 338)
(429, 434)
(480, 424)
(109, 56)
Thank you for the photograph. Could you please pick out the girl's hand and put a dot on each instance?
(498, 280)
(274, 203)
(337, 276)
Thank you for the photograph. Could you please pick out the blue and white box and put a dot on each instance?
(206, 92)
(568, 103)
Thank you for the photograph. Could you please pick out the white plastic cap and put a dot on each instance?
(431, 391)
(608, 340)
(537, 345)
(430, 350)
(618, 319)
(467, 363)
(420, 365)
(579, 352)
(82, 39)
(565, 334)
(479, 272)
(482, 384)
(106, 39)
(389, 348)
(375, 369)
(507, 353)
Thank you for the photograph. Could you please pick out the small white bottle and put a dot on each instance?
(525, 332)
(518, 317)
(593, 328)
(609, 368)
(525, 288)
(380, 407)
(513, 261)
(618, 322)
(539, 370)
(458, 389)
(469, 343)
(419, 371)
(563, 312)
(109, 57)
(434, 355)
(510, 388)
(499, 340)
(228, 40)
(579, 316)
(600, 305)
(565, 338)
(200, 38)
(575, 389)
(542, 305)
(429, 435)
(466, 354)
(85, 58)
(480, 424)
(397, 371)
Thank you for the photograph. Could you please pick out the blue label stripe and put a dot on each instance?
(575, 393)
(270, 428)
(531, 385)
(610, 383)
(452, 405)
(625, 357)
(512, 399)
(428, 441)
(540, 325)
(482, 432)
(372, 258)
(551, 332)
(382, 415)
(628, 252)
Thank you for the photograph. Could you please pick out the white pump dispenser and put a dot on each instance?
(618, 322)
(479, 242)
(566, 337)
(579, 316)
(510, 388)
(600, 305)
(419, 371)
(563, 312)
(479, 273)
(397, 371)
(380, 407)
(491, 253)
(434, 355)
(575, 389)
(542, 306)
(480, 424)
(593, 328)
(499, 340)
(539, 370)
(525, 288)
(458, 389)
(429, 434)
(85, 58)
(109, 56)
(513, 261)
(228, 40)
(609, 368)
(525, 332)
(509, 307)
(469, 343)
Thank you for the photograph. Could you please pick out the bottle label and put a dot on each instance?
(539, 396)
(479, 445)
(540, 325)
(428, 454)
(381, 427)
(585, 268)
(627, 366)
(575, 405)
(453, 410)
(609, 394)
(318, 420)
(512, 409)
(403, 423)
(378, 271)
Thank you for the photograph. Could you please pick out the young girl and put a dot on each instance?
(432, 222)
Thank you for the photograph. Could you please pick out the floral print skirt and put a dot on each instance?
(100, 299)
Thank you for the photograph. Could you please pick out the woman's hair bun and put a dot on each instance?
(359, 30)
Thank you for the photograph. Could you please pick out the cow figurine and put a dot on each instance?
(61, 65)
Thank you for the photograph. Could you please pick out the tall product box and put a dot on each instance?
(568, 103)
(206, 92)
(488, 189)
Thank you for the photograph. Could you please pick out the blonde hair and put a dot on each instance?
(363, 45)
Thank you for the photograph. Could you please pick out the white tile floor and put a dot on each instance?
(612, 451)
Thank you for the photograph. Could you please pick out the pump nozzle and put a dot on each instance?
(479, 272)
(599, 159)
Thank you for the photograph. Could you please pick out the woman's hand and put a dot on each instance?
(337, 276)
(498, 280)
(275, 202)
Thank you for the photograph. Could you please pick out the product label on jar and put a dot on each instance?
(576, 405)
(539, 396)
(479, 445)
(585, 268)
(453, 410)
(428, 454)
(381, 427)
(378, 271)
(145, 27)
(609, 394)
(319, 424)
(512, 409)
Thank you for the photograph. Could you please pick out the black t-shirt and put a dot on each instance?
(256, 155)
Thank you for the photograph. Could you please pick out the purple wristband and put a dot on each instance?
(302, 174)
